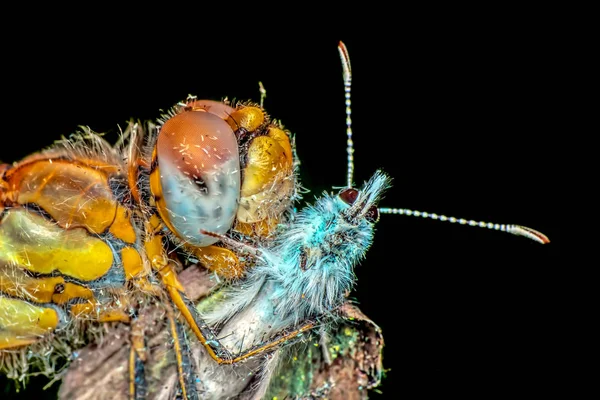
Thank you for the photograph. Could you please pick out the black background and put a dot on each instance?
(461, 112)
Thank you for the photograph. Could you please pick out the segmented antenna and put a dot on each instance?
(263, 93)
(513, 229)
(347, 71)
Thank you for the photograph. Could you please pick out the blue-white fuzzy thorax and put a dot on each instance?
(312, 265)
(306, 274)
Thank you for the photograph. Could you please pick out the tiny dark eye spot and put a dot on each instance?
(349, 195)
(372, 214)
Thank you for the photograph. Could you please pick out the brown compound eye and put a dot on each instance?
(199, 173)
(349, 195)
(372, 214)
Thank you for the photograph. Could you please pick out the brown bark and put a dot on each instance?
(101, 370)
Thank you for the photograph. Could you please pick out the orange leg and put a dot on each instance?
(200, 328)
(185, 367)
(272, 344)
(137, 358)
(205, 334)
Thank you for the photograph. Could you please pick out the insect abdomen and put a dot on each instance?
(66, 241)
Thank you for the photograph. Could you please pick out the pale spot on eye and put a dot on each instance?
(201, 184)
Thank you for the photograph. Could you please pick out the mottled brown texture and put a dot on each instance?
(354, 364)
(101, 371)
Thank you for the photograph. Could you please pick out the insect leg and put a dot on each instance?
(200, 328)
(217, 259)
(137, 376)
(205, 334)
(272, 343)
(176, 292)
(183, 355)
(137, 358)
(212, 344)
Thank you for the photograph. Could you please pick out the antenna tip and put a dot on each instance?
(530, 233)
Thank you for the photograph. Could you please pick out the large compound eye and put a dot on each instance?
(199, 166)
(372, 214)
(349, 195)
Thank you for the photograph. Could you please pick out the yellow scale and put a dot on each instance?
(69, 242)
(59, 255)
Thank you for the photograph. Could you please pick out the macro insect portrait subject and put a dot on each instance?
(249, 323)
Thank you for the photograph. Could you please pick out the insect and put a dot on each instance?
(92, 233)
(254, 317)
(301, 278)
(304, 263)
